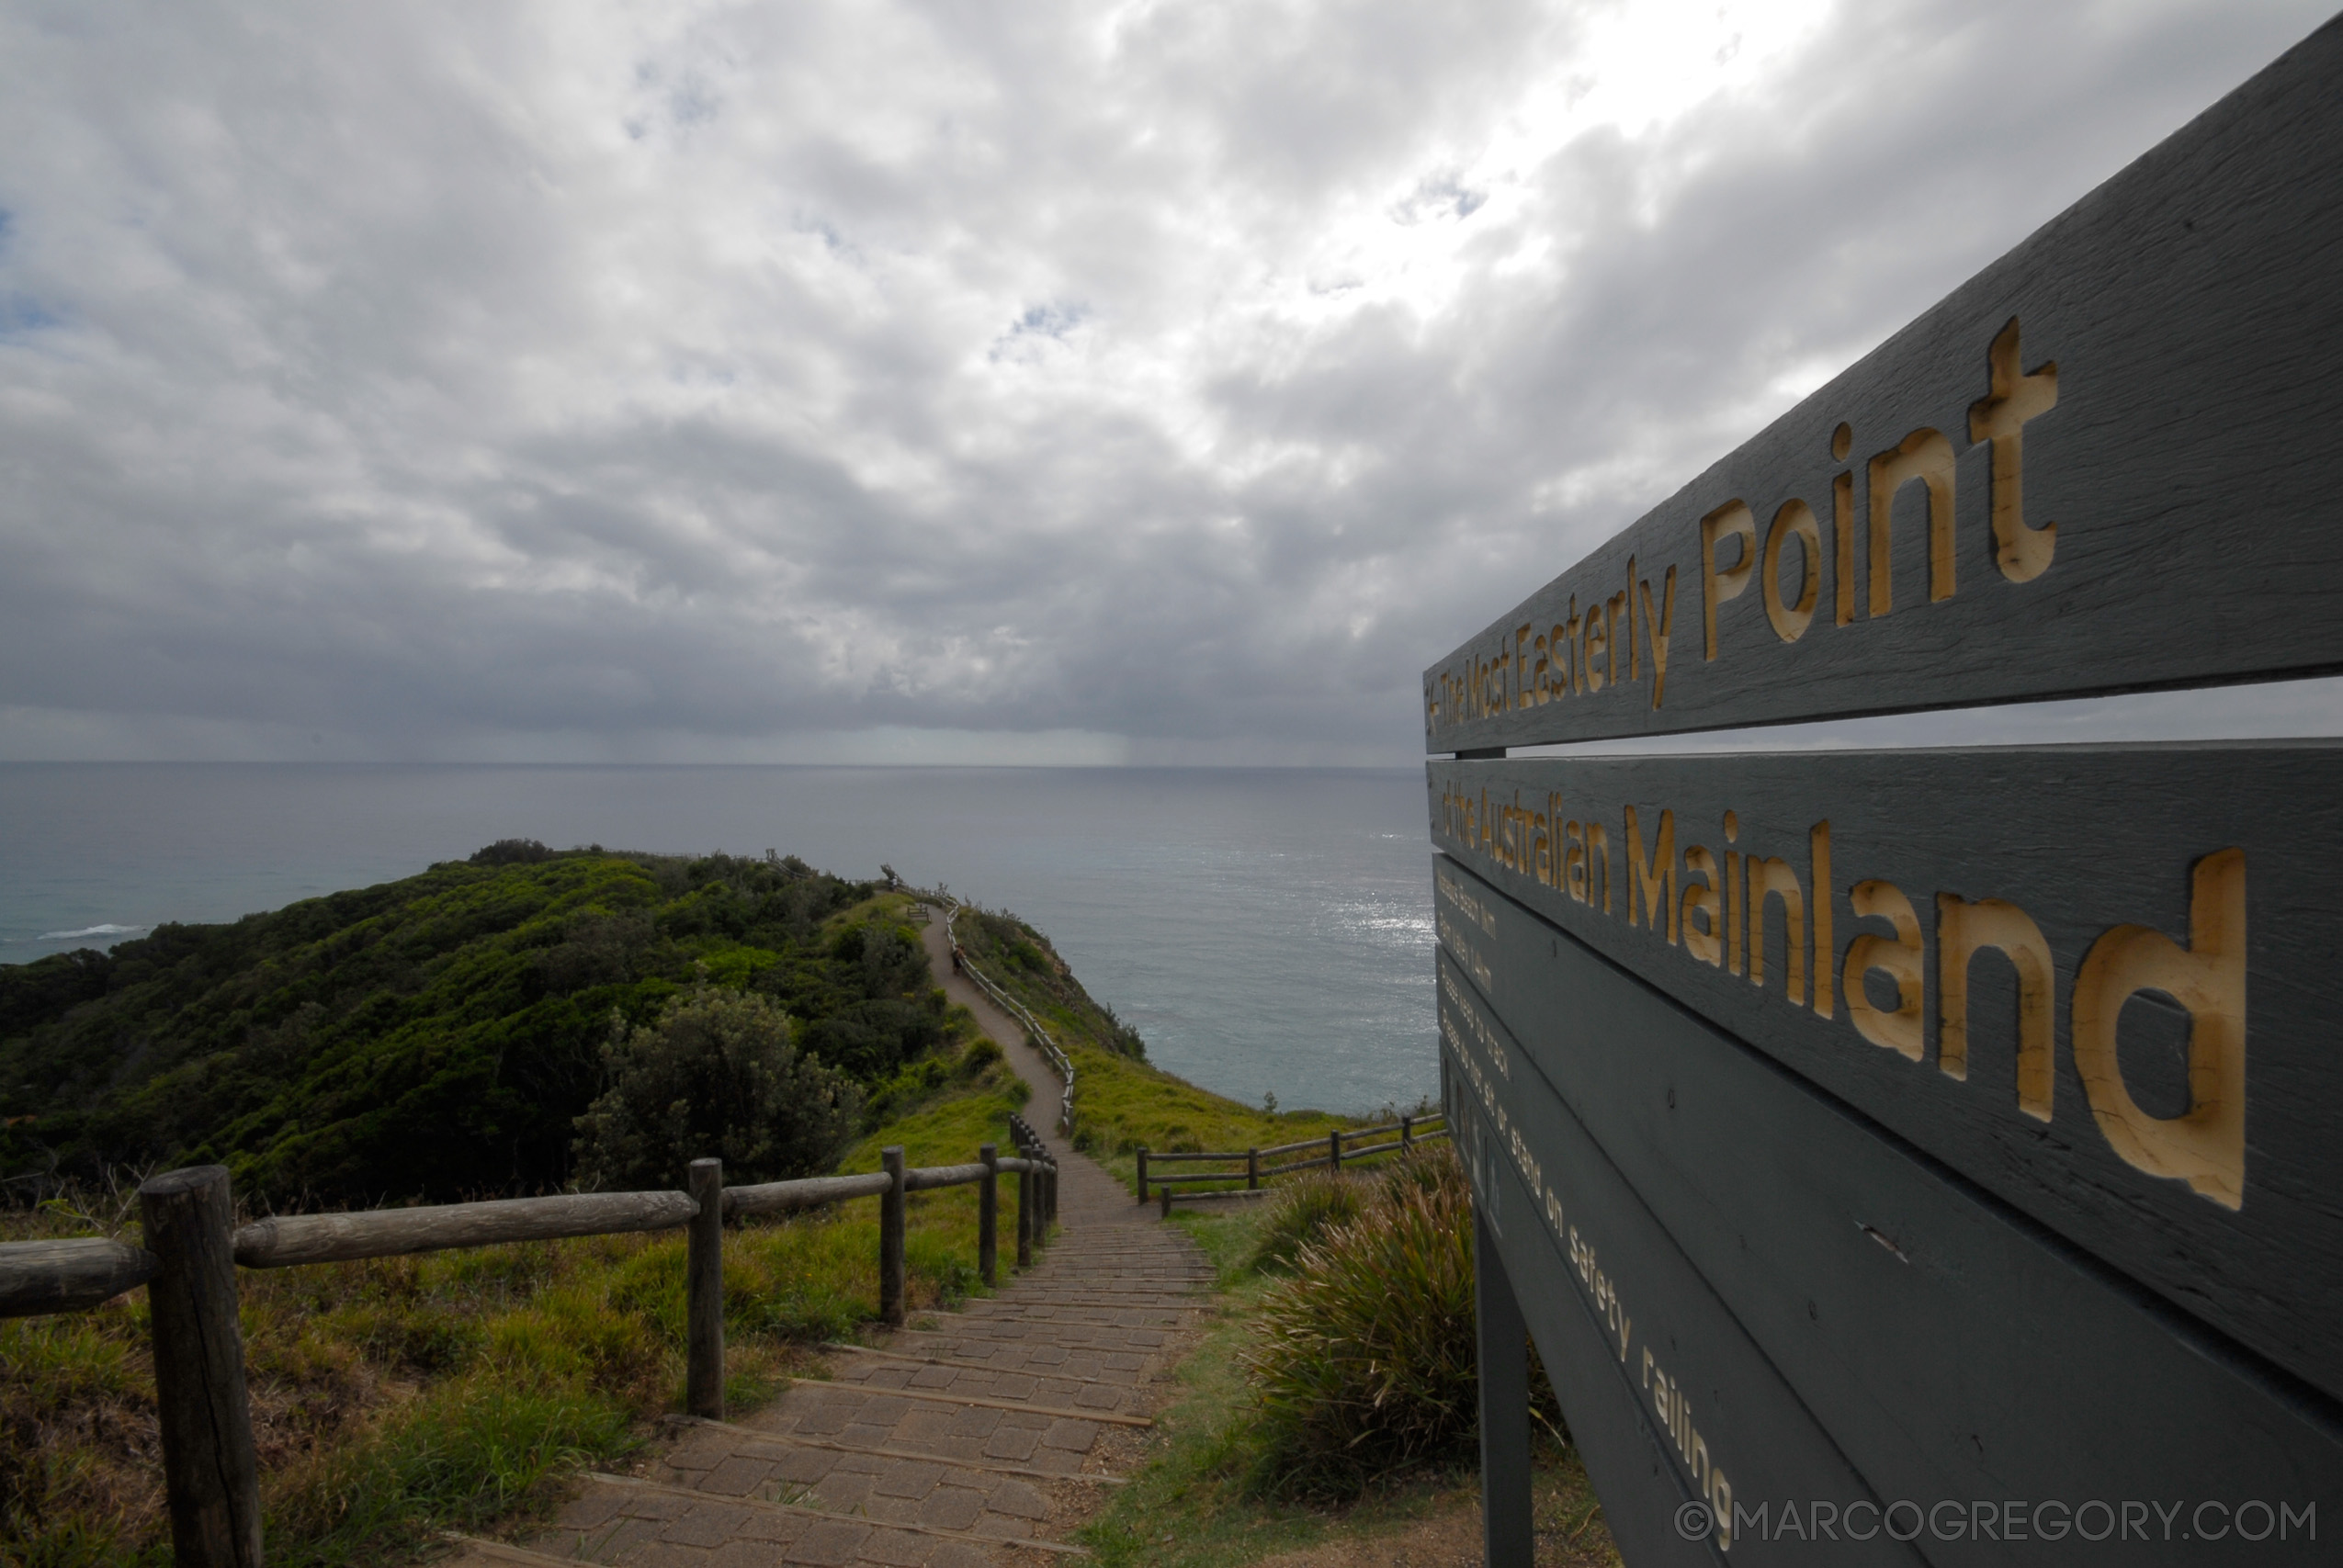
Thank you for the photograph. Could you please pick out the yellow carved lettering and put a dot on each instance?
(1961, 930)
(2205, 1146)
(1898, 957)
(1927, 456)
(2022, 553)
(1733, 520)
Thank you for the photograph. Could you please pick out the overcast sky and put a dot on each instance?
(1164, 382)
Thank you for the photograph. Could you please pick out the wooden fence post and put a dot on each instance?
(1334, 1150)
(1253, 1170)
(1026, 1184)
(1407, 1132)
(890, 1239)
(211, 1475)
(704, 1292)
(1142, 1175)
(989, 1214)
(1166, 1191)
(1049, 1199)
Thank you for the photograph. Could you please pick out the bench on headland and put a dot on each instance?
(193, 1247)
(1340, 1146)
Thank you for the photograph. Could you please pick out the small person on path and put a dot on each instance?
(956, 958)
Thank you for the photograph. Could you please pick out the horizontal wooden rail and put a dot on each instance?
(211, 1468)
(934, 1176)
(294, 1239)
(1159, 1156)
(811, 1192)
(1339, 1143)
(1317, 1143)
(41, 1277)
(1040, 1036)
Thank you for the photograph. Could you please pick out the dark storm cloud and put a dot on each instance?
(417, 382)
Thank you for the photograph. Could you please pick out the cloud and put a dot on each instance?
(1159, 382)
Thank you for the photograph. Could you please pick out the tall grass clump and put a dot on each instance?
(1313, 1204)
(1362, 1362)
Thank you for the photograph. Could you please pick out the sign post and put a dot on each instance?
(1935, 1155)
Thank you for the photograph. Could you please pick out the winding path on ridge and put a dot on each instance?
(956, 1442)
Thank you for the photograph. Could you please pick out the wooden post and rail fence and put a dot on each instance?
(1412, 1130)
(193, 1247)
(1039, 1037)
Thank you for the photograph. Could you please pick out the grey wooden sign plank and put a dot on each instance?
(2112, 460)
(1666, 1395)
(1949, 1347)
(2099, 982)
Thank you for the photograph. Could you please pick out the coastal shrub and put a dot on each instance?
(872, 1039)
(715, 1074)
(512, 852)
(1301, 1214)
(1363, 1360)
(436, 1037)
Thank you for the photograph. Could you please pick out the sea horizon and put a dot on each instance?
(1267, 929)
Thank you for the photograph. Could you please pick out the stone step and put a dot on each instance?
(752, 1436)
(1117, 1417)
(707, 1522)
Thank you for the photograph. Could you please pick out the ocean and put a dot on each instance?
(1267, 931)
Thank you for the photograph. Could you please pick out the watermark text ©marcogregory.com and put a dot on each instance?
(2049, 1519)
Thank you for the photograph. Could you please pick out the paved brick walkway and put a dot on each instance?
(953, 1443)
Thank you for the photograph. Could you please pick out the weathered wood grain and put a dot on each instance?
(41, 1277)
(2081, 843)
(2192, 463)
(1602, 1286)
(385, 1233)
(704, 1292)
(989, 1213)
(890, 1239)
(211, 1468)
(811, 1192)
(927, 1178)
(1951, 1347)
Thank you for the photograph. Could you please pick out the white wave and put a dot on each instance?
(90, 930)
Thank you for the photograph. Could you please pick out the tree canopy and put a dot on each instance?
(437, 1036)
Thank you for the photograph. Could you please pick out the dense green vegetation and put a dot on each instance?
(439, 1036)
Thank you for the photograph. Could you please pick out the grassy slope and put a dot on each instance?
(1122, 1103)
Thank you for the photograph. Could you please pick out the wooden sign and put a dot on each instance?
(2106, 463)
(1950, 1348)
(1949, 1141)
(2101, 981)
(1631, 1314)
